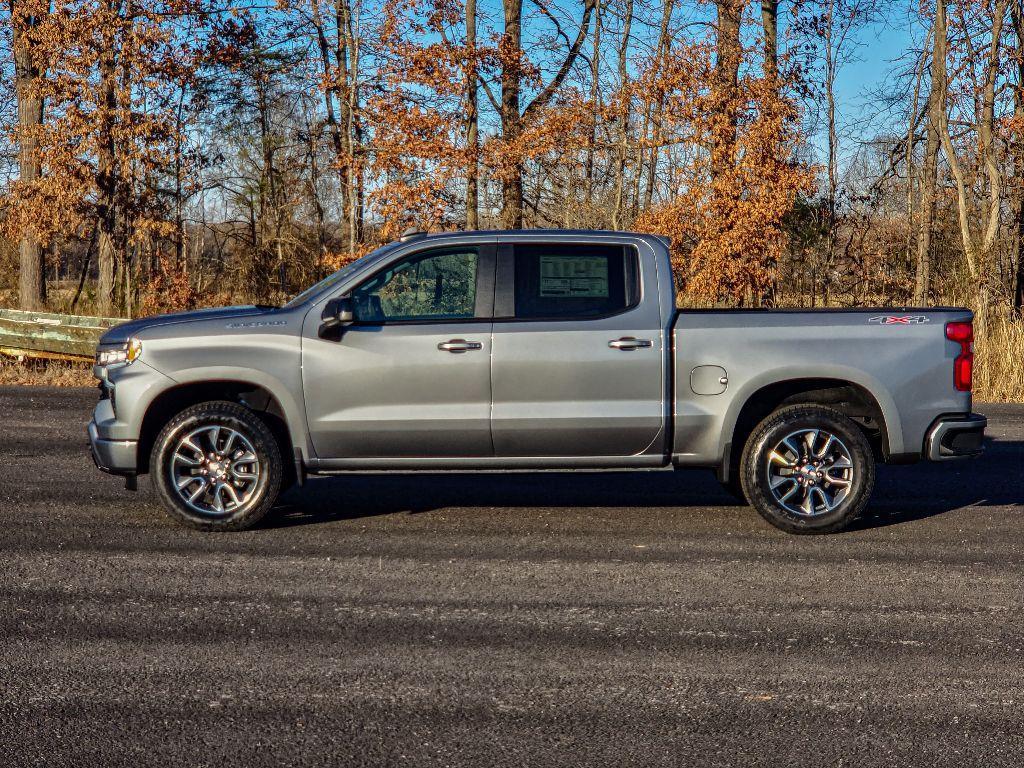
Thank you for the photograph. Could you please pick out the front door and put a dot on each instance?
(578, 360)
(411, 377)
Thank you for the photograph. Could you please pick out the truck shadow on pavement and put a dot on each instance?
(902, 494)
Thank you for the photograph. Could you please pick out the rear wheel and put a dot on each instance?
(217, 466)
(808, 469)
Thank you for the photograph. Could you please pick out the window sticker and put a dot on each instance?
(574, 276)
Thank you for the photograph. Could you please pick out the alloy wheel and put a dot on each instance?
(810, 472)
(215, 470)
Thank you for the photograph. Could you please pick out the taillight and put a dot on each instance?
(963, 366)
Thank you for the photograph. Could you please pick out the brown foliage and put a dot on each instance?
(192, 154)
(167, 291)
(728, 223)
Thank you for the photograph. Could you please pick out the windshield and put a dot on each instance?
(333, 279)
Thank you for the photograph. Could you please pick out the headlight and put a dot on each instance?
(115, 354)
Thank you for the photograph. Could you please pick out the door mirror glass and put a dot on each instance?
(337, 314)
(344, 311)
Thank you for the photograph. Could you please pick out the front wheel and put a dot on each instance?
(216, 466)
(808, 469)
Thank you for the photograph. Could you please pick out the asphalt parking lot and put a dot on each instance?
(536, 619)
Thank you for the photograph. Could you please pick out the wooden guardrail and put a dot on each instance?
(44, 334)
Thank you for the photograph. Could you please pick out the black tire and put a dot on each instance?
(824, 486)
(259, 494)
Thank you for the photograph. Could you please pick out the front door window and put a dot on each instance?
(438, 286)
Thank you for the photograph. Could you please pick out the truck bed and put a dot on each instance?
(900, 357)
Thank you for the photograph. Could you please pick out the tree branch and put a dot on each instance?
(549, 91)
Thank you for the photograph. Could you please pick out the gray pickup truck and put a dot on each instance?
(529, 350)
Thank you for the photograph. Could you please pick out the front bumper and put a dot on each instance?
(118, 457)
(114, 433)
(956, 437)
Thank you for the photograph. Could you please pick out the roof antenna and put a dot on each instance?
(411, 234)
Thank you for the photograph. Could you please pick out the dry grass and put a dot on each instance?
(999, 362)
(45, 373)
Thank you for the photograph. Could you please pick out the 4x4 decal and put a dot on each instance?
(899, 319)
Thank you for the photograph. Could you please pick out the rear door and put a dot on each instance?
(577, 363)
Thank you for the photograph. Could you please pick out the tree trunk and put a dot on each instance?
(595, 100)
(32, 263)
(770, 26)
(664, 45)
(472, 122)
(331, 91)
(107, 184)
(1017, 146)
(936, 108)
(341, 105)
(831, 203)
(625, 109)
(349, 58)
(726, 87)
(511, 125)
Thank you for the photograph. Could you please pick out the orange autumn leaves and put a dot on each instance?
(657, 143)
(727, 227)
(133, 112)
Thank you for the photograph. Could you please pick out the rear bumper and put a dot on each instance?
(956, 437)
(118, 457)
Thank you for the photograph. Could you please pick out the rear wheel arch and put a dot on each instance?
(849, 398)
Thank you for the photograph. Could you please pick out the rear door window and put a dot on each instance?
(566, 281)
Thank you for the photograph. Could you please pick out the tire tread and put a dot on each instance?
(263, 440)
(787, 416)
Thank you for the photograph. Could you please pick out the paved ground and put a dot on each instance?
(624, 619)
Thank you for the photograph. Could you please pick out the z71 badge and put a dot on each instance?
(899, 319)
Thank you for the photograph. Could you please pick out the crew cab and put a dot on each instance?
(529, 350)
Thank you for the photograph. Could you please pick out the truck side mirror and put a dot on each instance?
(337, 314)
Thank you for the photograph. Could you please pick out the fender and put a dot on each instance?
(781, 374)
(288, 398)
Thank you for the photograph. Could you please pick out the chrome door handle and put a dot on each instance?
(627, 343)
(459, 345)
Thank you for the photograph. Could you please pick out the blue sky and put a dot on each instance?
(881, 47)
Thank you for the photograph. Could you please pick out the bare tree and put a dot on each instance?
(32, 265)
(978, 246)
(929, 170)
(1017, 148)
(511, 118)
(625, 109)
(472, 121)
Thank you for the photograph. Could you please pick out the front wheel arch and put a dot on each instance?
(173, 401)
